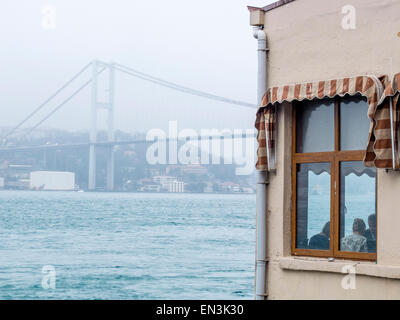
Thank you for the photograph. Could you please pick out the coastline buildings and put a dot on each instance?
(328, 121)
(192, 179)
(25, 177)
(131, 167)
(174, 185)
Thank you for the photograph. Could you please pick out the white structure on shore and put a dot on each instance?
(52, 180)
(176, 186)
(171, 184)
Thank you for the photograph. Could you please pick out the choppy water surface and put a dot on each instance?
(127, 246)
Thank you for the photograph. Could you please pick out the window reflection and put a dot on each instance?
(354, 123)
(313, 206)
(315, 126)
(357, 207)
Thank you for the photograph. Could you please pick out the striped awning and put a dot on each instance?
(378, 151)
(387, 126)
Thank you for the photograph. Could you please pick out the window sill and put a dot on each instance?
(323, 265)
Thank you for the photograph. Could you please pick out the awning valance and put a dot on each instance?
(370, 87)
(387, 126)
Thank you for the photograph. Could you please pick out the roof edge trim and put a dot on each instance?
(271, 6)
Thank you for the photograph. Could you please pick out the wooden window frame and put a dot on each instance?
(334, 158)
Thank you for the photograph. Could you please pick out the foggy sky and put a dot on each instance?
(206, 45)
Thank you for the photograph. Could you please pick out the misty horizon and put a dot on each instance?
(216, 57)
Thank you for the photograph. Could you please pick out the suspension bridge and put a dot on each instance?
(97, 67)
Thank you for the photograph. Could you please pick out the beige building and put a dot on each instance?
(331, 64)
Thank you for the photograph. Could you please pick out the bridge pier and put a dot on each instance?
(109, 106)
(92, 167)
(110, 168)
(110, 124)
(93, 130)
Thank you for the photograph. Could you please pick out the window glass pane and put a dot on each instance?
(354, 123)
(315, 126)
(357, 207)
(313, 206)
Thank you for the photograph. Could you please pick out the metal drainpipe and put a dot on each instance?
(262, 177)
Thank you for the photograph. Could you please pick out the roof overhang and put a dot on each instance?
(271, 6)
(257, 14)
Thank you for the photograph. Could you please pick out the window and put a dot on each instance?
(334, 194)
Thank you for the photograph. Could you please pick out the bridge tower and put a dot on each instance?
(109, 107)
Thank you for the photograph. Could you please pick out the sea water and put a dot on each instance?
(126, 245)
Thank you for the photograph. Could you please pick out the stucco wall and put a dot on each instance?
(307, 43)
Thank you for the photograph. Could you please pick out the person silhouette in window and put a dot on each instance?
(370, 234)
(320, 241)
(355, 242)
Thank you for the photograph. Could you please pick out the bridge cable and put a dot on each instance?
(178, 87)
(62, 104)
(129, 71)
(46, 101)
